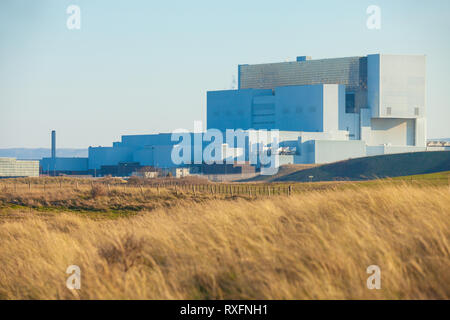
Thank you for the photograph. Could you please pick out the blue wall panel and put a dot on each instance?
(231, 109)
(64, 164)
(299, 108)
(99, 156)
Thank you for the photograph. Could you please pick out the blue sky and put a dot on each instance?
(144, 66)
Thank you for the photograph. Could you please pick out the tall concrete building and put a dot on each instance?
(330, 109)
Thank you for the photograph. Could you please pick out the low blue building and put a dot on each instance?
(148, 150)
(59, 165)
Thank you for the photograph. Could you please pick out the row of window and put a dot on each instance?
(11, 167)
(284, 110)
(389, 111)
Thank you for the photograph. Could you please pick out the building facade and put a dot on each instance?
(64, 165)
(324, 110)
(10, 167)
(339, 108)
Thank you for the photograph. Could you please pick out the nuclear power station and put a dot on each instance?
(324, 110)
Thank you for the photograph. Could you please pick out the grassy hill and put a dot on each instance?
(392, 165)
(282, 171)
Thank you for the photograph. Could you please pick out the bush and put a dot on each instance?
(97, 190)
(133, 180)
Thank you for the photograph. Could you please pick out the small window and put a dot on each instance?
(388, 111)
(416, 111)
(350, 103)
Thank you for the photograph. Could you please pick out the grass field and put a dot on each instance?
(442, 177)
(214, 241)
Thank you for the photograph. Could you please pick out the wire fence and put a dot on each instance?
(174, 187)
(186, 186)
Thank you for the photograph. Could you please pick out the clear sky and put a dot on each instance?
(139, 67)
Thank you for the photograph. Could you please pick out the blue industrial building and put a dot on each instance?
(330, 109)
(289, 108)
(60, 165)
(325, 110)
(149, 150)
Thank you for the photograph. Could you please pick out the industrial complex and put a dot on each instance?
(330, 109)
(323, 110)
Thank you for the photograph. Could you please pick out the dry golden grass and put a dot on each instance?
(92, 198)
(312, 245)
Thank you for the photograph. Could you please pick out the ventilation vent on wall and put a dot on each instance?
(416, 111)
(388, 111)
